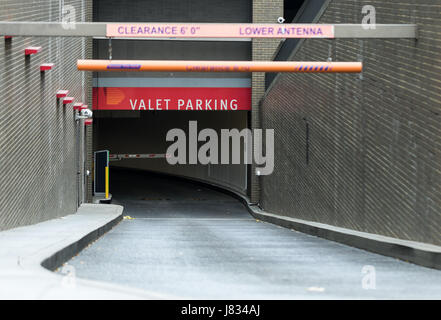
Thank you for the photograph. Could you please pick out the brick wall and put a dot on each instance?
(38, 158)
(373, 158)
(264, 11)
(89, 129)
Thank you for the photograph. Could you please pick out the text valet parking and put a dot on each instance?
(184, 99)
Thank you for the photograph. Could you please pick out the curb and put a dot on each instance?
(59, 258)
(29, 254)
(422, 254)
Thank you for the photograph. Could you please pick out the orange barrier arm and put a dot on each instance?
(219, 66)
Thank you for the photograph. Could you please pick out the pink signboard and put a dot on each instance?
(218, 30)
(184, 99)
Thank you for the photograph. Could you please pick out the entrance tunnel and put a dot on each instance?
(186, 240)
(300, 161)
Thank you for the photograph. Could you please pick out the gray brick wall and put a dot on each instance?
(264, 11)
(38, 159)
(89, 88)
(374, 140)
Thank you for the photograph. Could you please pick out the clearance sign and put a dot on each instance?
(218, 30)
(169, 98)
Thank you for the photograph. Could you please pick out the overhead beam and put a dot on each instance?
(204, 31)
(53, 29)
(218, 66)
(380, 31)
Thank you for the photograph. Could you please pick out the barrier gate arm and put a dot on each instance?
(125, 156)
(204, 31)
(218, 66)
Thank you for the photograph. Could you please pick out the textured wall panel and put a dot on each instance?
(38, 159)
(264, 11)
(373, 158)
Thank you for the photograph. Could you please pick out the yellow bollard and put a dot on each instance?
(107, 182)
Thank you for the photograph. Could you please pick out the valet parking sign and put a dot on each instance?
(183, 99)
(218, 30)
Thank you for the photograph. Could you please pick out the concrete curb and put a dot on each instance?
(423, 254)
(419, 253)
(65, 254)
(28, 253)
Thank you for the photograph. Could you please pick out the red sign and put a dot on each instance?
(185, 99)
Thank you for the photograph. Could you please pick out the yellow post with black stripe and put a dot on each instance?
(107, 182)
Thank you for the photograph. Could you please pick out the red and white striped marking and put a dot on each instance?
(77, 106)
(116, 157)
(62, 93)
(32, 50)
(46, 67)
(68, 100)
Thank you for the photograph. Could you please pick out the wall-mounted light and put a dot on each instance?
(84, 114)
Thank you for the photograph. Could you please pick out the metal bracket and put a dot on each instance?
(78, 117)
(110, 49)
